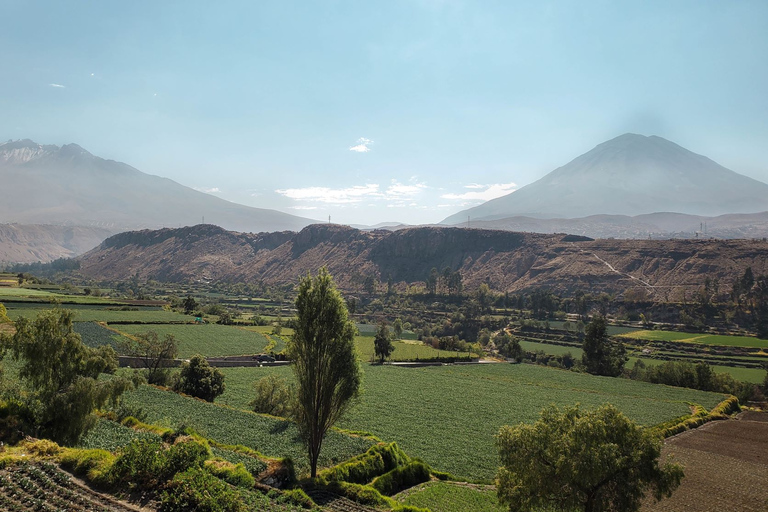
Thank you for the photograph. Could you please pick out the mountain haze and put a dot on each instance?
(47, 184)
(629, 175)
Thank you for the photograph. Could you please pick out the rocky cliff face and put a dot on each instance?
(506, 261)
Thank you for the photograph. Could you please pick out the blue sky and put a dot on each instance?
(402, 111)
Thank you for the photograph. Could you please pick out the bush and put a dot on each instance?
(197, 378)
(273, 396)
(95, 465)
(402, 478)
(363, 468)
(146, 463)
(42, 447)
(363, 494)
(199, 490)
(235, 474)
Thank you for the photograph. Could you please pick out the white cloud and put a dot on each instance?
(303, 207)
(361, 145)
(58, 86)
(398, 190)
(346, 195)
(483, 192)
(214, 190)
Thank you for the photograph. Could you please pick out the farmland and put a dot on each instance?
(452, 497)
(406, 351)
(271, 436)
(703, 339)
(448, 415)
(208, 339)
(726, 467)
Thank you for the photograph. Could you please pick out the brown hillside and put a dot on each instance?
(507, 261)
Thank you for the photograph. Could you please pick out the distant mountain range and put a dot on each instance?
(67, 185)
(630, 175)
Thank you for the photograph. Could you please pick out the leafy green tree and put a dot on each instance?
(325, 362)
(273, 396)
(198, 378)
(382, 343)
(189, 305)
(4, 315)
(601, 356)
(571, 460)
(431, 282)
(156, 355)
(397, 328)
(62, 374)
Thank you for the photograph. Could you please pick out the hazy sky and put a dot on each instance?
(381, 111)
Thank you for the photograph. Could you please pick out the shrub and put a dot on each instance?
(363, 494)
(95, 465)
(197, 378)
(363, 468)
(145, 462)
(273, 396)
(42, 447)
(235, 474)
(297, 497)
(199, 490)
(402, 478)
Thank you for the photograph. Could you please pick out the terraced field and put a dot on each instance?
(270, 436)
(452, 497)
(448, 415)
(703, 339)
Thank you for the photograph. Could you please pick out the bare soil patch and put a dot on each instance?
(726, 467)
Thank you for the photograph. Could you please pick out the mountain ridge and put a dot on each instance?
(506, 261)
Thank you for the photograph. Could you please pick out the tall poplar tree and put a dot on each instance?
(325, 362)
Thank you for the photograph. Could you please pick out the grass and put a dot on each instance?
(270, 436)
(448, 415)
(450, 497)
(210, 340)
(404, 350)
(703, 339)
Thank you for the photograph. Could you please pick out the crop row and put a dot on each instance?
(270, 436)
(210, 340)
(43, 487)
(449, 415)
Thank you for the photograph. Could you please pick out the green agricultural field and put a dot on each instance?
(95, 335)
(12, 292)
(109, 435)
(557, 350)
(100, 314)
(704, 339)
(451, 497)
(210, 340)
(405, 350)
(448, 415)
(270, 436)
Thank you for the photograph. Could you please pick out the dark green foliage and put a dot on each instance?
(378, 460)
(157, 355)
(199, 379)
(508, 346)
(200, 491)
(363, 494)
(593, 461)
(234, 474)
(325, 364)
(402, 478)
(601, 356)
(149, 464)
(273, 396)
(63, 375)
(382, 343)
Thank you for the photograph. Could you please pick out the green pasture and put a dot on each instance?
(704, 339)
(451, 497)
(210, 340)
(272, 437)
(404, 350)
(448, 415)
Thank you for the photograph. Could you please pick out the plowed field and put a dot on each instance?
(726, 467)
